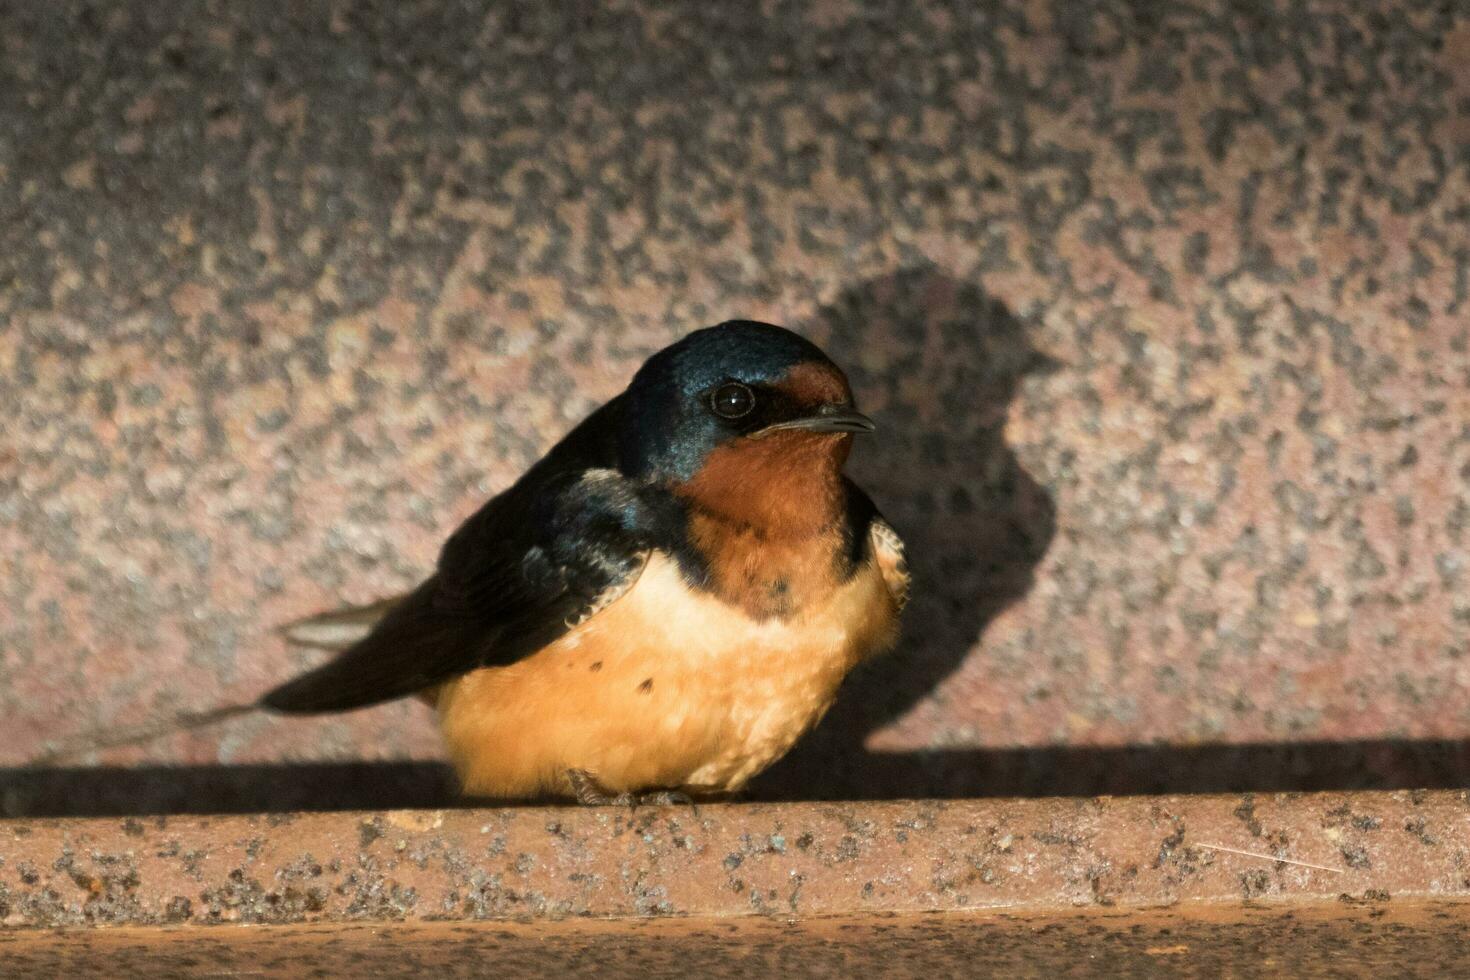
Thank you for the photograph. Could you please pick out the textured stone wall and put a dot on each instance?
(1161, 308)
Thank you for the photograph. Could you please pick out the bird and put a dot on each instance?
(658, 608)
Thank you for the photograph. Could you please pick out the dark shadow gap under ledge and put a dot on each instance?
(951, 774)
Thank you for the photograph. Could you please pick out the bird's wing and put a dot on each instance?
(873, 535)
(532, 563)
(889, 552)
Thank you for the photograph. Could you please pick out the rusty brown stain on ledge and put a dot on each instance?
(1207, 941)
(782, 860)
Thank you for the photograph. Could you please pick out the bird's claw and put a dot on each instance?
(668, 797)
(588, 792)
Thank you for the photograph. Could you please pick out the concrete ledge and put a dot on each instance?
(1405, 939)
(541, 886)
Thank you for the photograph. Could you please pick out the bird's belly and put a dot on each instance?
(667, 687)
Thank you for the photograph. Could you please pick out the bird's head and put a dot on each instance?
(740, 403)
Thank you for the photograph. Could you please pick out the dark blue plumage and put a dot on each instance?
(664, 430)
(580, 523)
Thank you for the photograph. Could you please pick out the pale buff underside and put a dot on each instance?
(728, 694)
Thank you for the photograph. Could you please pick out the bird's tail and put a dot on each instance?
(338, 629)
(335, 631)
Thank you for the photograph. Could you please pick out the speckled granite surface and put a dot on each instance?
(1162, 309)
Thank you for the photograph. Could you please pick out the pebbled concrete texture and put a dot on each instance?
(1161, 309)
(723, 860)
(1325, 885)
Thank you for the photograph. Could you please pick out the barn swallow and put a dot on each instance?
(661, 606)
(665, 602)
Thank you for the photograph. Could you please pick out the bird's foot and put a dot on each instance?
(589, 792)
(665, 797)
(668, 797)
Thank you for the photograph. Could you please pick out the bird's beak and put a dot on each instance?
(828, 418)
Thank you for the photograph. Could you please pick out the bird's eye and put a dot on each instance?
(733, 400)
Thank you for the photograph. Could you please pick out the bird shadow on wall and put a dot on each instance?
(938, 363)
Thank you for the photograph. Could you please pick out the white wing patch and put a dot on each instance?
(611, 482)
(888, 548)
(610, 594)
(339, 629)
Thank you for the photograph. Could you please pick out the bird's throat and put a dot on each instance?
(766, 517)
(787, 484)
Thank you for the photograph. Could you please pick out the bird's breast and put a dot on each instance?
(669, 686)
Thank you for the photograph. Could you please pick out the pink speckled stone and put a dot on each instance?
(1163, 316)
